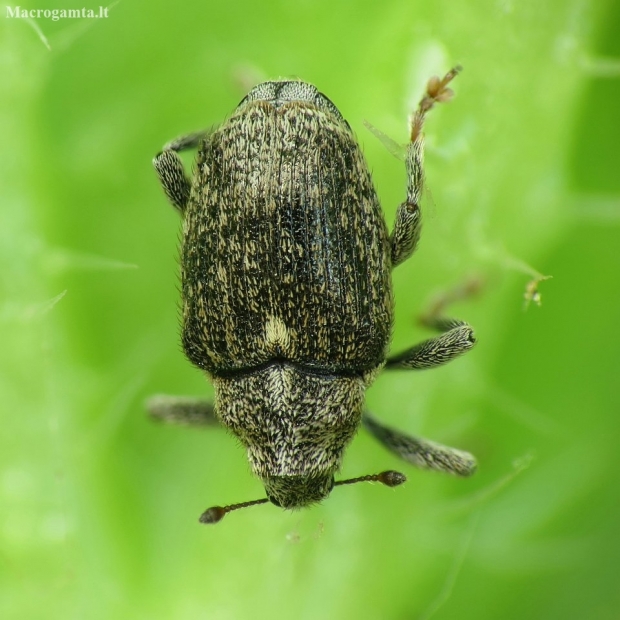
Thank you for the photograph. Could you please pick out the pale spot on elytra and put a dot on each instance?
(277, 337)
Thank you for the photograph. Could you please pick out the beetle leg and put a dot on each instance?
(181, 410)
(171, 172)
(173, 179)
(420, 452)
(186, 142)
(406, 233)
(457, 339)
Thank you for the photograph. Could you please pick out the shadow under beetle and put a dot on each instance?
(286, 289)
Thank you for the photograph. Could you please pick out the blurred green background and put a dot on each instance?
(99, 506)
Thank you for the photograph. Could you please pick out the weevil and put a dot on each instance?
(287, 301)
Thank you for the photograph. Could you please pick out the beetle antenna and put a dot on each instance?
(217, 513)
(389, 478)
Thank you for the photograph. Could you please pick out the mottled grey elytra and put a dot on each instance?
(286, 286)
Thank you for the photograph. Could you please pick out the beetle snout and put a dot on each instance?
(298, 491)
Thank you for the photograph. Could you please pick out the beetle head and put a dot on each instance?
(295, 425)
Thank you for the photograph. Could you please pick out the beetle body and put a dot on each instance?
(286, 286)
(285, 270)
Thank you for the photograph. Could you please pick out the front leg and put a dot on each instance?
(181, 410)
(406, 233)
(171, 172)
(420, 452)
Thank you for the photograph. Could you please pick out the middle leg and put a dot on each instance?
(457, 337)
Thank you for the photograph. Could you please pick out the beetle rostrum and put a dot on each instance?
(286, 286)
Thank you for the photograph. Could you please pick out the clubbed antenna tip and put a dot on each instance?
(217, 513)
(390, 478)
(213, 515)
